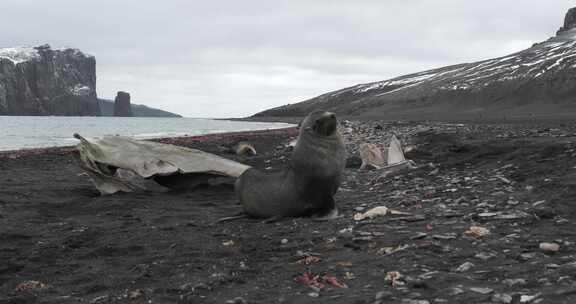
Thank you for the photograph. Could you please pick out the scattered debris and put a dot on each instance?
(228, 243)
(371, 156)
(309, 260)
(394, 277)
(30, 286)
(318, 283)
(377, 211)
(477, 232)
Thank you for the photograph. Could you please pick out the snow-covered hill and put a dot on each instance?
(537, 81)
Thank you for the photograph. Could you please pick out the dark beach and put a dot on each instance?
(516, 180)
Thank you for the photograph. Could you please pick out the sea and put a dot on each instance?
(25, 132)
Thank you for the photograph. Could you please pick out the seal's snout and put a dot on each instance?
(326, 124)
(329, 115)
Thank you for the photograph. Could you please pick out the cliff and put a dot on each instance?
(45, 81)
(537, 82)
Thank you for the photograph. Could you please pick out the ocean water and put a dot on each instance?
(22, 132)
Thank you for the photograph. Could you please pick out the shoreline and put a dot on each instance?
(178, 141)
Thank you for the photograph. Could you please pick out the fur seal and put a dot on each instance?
(307, 185)
(245, 148)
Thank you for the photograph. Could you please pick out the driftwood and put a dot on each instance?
(123, 164)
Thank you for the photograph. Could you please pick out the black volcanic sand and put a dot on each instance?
(518, 181)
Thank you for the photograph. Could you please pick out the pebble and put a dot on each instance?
(410, 301)
(549, 247)
(482, 290)
(284, 241)
(502, 298)
(514, 282)
(314, 294)
(465, 267)
(237, 300)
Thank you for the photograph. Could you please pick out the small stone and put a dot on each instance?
(237, 300)
(477, 232)
(465, 267)
(482, 290)
(502, 298)
(410, 301)
(549, 247)
(284, 241)
(514, 282)
(527, 256)
(380, 296)
(484, 256)
(454, 291)
(528, 298)
(314, 294)
(228, 243)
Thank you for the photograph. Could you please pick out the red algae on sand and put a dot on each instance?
(178, 141)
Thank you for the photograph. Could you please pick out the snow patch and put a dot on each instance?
(19, 54)
(81, 90)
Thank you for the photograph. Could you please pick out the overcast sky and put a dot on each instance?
(233, 58)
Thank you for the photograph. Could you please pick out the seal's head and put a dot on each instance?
(319, 123)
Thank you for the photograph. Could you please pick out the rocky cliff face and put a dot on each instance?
(569, 21)
(46, 81)
(539, 81)
(122, 107)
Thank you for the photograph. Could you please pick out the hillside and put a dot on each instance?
(537, 82)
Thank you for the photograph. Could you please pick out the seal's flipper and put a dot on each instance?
(332, 215)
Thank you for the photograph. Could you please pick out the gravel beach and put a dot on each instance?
(487, 217)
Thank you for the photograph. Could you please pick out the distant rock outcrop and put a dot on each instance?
(569, 21)
(107, 109)
(537, 82)
(45, 81)
(122, 106)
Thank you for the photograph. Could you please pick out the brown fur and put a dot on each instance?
(308, 184)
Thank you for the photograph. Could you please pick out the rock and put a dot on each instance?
(569, 21)
(465, 267)
(410, 301)
(502, 298)
(122, 107)
(381, 296)
(353, 162)
(237, 300)
(481, 290)
(549, 247)
(41, 81)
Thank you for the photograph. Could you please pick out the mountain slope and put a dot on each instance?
(538, 81)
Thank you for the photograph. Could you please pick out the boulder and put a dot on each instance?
(122, 107)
